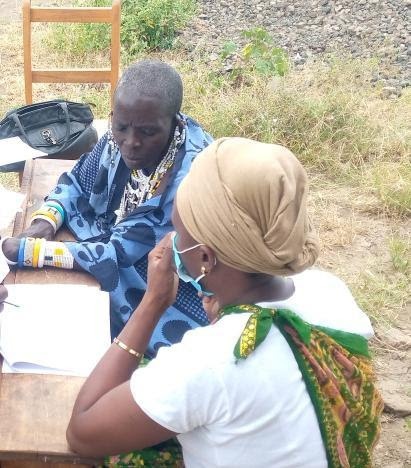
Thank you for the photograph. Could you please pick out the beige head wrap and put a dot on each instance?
(247, 201)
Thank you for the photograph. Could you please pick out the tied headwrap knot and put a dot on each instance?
(259, 323)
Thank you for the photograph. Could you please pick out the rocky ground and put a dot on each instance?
(306, 28)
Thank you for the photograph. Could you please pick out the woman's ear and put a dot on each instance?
(208, 258)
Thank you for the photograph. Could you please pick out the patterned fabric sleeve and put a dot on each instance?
(85, 170)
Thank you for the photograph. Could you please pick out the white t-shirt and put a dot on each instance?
(254, 413)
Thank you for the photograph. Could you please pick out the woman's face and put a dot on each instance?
(141, 128)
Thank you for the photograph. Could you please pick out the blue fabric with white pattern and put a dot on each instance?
(116, 254)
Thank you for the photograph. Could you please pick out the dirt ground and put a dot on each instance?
(361, 244)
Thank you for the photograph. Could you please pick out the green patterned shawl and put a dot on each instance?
(337, 371)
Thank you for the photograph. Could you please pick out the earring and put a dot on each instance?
(203, 270)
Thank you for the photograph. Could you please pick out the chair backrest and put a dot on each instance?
(71, 15)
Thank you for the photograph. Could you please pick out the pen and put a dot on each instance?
(10, 303)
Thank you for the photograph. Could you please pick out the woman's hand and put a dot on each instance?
(3, 296)
(11, 248)
(162, 281)
(211, 306)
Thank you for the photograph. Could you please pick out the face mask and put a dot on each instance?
(182, 272)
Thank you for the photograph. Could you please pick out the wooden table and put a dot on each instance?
(35, 409)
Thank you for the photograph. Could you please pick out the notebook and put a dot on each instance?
(56, 329)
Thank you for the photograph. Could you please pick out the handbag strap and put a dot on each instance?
(63, 105)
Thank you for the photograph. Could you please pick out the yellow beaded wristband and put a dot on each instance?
(128, 349)
(48, 214)
(36, 252)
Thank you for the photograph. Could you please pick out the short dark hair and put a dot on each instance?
(154, 78)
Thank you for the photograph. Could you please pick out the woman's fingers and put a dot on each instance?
(210, 305)
(162, 282)
(161, 257)
(3, 296)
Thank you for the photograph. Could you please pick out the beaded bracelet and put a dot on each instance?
(127, 348)
(40, 262)
(50, 212)
(57, 255)
(9, 262)
(57, 206)
(20, 256)
(28, 251)
(37, 252)
(45, 217)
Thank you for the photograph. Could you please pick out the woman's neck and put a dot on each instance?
(258, 288)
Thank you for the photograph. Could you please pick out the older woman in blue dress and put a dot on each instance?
(117, 200)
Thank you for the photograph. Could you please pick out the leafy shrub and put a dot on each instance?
(259, 54)
(154, 22)
(145, 25)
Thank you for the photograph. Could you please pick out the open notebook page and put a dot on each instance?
(57, 329)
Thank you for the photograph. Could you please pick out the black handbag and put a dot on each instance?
(59, 128)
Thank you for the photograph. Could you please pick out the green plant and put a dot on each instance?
(145, 25)
(154, 22)
(259, 54)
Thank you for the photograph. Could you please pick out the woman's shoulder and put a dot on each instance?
(322, 298)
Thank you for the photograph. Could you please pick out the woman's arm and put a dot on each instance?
(72, 186)
(39, 228)
(11, 247)
(106, 420)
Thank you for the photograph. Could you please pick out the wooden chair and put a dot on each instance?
(71, 15)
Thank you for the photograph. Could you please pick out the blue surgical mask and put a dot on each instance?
(182, 272)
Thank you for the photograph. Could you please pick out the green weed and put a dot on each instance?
(259, 55)
(145, 25)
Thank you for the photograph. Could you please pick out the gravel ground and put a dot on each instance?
(305, 28)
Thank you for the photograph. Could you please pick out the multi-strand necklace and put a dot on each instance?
(141, 187)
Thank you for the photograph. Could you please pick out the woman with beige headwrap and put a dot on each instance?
(282, 376)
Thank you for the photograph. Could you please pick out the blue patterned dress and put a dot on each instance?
(116, 254)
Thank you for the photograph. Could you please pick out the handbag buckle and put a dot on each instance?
(46, 134)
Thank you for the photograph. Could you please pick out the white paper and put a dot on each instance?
(101, 127)
(10, 204)
(57, 329)
(4, 267)
(15, 150)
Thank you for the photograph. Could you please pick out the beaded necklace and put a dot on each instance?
(141, 187)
